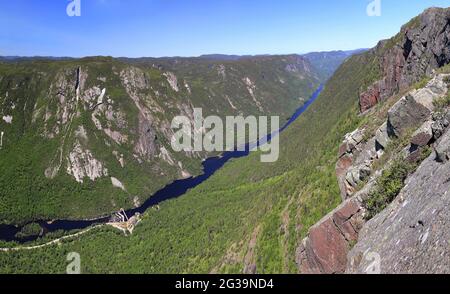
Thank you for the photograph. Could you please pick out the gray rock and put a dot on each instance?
(438, 85)
(382, 136)
(350, 141)
(406, 114)
(443, 149)
(424, 97)
(146, 144)
(412, 234)
(358, 174)
(440, 123)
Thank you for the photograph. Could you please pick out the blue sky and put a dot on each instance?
(137, 28)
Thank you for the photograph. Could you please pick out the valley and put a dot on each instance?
(95, 133)
(360, 184)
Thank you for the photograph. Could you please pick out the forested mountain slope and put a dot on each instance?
(85, 137)
(249, 216)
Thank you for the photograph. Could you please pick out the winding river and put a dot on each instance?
(171, 191)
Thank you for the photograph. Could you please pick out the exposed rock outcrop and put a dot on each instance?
(422, 46)
(145, 146)
(412, 235)
(81, 163)
(118, 184)
(355, 162)
(416, 107)
(405, 115)
(172, 80)
(415, 110)
(325, 249)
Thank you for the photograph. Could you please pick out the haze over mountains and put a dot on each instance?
(325, 62)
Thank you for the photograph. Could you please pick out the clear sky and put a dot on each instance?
(137, 28)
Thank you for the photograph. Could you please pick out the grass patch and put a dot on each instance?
(390, 184)
(442, 103)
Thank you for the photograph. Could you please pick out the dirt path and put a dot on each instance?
(56, 241)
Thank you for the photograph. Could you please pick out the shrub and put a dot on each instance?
(391, 182)
(387, 188)
(422, 83)
(442, 103)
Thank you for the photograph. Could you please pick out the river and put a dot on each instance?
(171, 191)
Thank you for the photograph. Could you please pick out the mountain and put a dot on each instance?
(418, 49)
(351, 186)
(221, 57)
(85, 137)
(325, 63)
(328, 62)
(248, 217)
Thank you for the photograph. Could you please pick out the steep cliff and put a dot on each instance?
(422, 46)
(392, 170)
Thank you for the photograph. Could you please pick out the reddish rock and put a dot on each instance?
(343, 164)
(325, 249)
(413, 157)
(343, 149)
(345, 221)
(423, 136)
(306, 259)
(422, 139)
(370, 98)
(327, 245)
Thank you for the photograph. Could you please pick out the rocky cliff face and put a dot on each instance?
(412, 235)
(422, 46)
(408, 230)
(399, 231)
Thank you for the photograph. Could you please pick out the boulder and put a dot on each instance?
(438, 85)
(424, 97)
(440, 123)
(382, 136)
(351, 140)
(443, 150)
(406, 114)
(342, 166)
(358, 174)
(423, 135)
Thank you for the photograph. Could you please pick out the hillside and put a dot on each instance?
(83, 138)
(230, 229)
(327, 63)
(259, 194)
